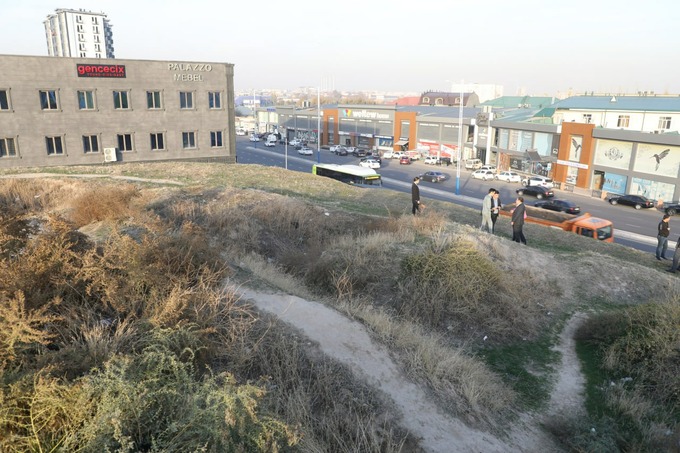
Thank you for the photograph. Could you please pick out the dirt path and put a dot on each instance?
(347, 341)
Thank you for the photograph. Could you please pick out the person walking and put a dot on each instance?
(486, 212)
(664, 230)
(495, 209)
(518, 215)
(415, 196)
(676, 258)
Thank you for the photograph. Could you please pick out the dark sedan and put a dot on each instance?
(559, 205)
(672, 208)
(539, 192)
(636, 201)
(433, 176)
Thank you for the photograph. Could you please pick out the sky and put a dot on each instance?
(534, 47)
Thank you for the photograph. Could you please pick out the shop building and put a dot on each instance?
(73, 111)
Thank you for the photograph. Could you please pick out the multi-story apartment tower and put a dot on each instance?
(78, 34)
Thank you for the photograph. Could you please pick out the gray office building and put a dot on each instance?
(74, 111)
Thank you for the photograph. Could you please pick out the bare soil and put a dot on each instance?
(348, 342)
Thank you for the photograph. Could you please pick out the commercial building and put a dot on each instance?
(78, 33)
(74, 111)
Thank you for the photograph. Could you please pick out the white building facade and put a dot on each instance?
(78, 34)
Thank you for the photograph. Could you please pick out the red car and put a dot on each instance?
(404, 160)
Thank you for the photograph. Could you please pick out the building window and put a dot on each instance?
(186, 100)
(90, 144)
(86, 100)
(95, 29)
(153, 99)
(48, 100)
(214, 100)
(216, 139)
(439, 101)
(96, 38)
(97, 47)
(624, 121)
(54, 146)
(81, 46)
(157, 141)
(81, 37)
(83, 54)
(79, 28)
(7, 148)
(79, 19)
(4, 100)
(587, 118)
(426, 100)
(664, 122)
(188, 140)
(94, 20)
(124, 142)
(120, 100)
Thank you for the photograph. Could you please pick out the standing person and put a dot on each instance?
(486, 212)
(676, 258)
(495, 209)
(415, 195)
(518, 215)
(664, 230)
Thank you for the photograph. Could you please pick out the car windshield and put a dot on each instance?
(604, 233)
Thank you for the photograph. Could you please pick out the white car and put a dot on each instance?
(431, 160)
(304, 151)
(509, 176)
(254, 138)
(335, 148)
(295, 142)
(485, 175)
(370, 163)
(538, 181)
(488, 167)
(388, 155)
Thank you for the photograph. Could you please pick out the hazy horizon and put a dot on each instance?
(526, 46)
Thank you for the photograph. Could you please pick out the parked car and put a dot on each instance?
(369, 163)
(388, 154)
(254, 138)
(372, 155)
(559, 205)
(488, 167)
(432, 160)
(473, 164)
(486, 175)
(336, 148)
(538, 181)
(350, 149)
(404, 160)
(539, 192)
(342, 152)
(306, 151)
(636, 201)
(399, 155)
(433, 176)
(509, 176)
(295, 142)
(359, 152)
(672, 208)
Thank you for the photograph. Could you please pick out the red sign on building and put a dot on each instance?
(110, 71)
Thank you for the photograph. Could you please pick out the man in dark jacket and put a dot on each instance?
(676, 258)
(518, 215)
(415, 195)
(662, 237)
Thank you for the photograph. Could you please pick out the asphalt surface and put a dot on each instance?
(632, 227)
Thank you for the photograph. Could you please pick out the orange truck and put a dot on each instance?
(583, 225)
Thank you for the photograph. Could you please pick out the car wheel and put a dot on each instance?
(671, 211)
(539, 196)
(520, 192)
(613, 202)
(637, 206)
(524, 183)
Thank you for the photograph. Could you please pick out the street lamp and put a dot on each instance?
(318, 125)
(460, 138)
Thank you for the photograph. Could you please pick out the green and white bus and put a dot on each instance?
(350, 174)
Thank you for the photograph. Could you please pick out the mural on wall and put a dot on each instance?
(611, 153)
(614, 183)
(652, 189)
(575, 148)
(658, 160)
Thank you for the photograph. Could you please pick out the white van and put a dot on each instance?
(271, 140)
(473, 164)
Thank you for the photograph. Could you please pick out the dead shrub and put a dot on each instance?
(103, 203)
(457, 288)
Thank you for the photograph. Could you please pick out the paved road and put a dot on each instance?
(632, 227)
